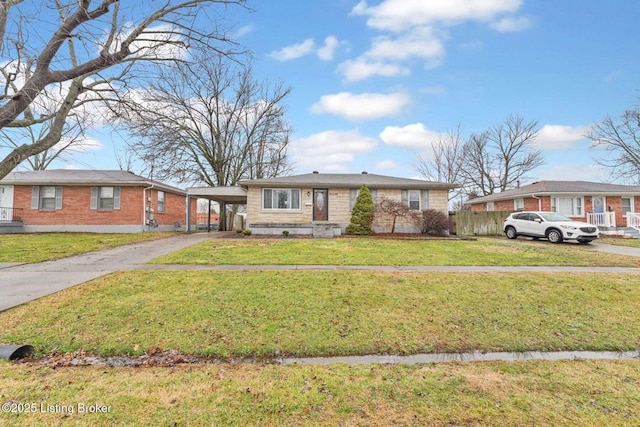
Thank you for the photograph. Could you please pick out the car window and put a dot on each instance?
(533, 217)
(519, 216)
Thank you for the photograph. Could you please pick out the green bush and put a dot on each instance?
(362, 214)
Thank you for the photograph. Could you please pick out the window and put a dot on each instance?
(105, 198)
(416, 199)
(518, 204)
(281, 198)
(570, 206)
(161, 201)
(627, 205)
(46, 197)
(490, 207)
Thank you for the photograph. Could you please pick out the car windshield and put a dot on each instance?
(554, 217)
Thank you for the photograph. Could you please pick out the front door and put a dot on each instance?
(320, 204)
(6, 202)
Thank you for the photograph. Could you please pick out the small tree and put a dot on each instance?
(362, 214)
(394, 209)
(435, 222)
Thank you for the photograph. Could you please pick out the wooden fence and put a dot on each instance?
(469, 223)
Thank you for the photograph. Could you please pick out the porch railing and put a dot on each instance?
(602, 219)
(10, 214)
(633, 220)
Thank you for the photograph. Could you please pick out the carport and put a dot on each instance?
(223, 195)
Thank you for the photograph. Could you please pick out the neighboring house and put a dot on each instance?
(89, 201)
(605, 205)
(320, 204)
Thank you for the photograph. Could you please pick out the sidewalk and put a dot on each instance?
(26, 282)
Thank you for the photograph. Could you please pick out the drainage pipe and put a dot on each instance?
(12, 352)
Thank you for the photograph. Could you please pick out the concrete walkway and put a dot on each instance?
(21, 283)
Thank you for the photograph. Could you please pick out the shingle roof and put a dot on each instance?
(84, 177)
(560, 187)
(332, 180)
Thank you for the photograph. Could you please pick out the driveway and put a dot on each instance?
(22, 283)
(25, 282)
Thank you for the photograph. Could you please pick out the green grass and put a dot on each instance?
(312, 313)
(634, 243)
(568, 393)
(374, 251)
(32, 248)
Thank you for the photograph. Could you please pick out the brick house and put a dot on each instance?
(320, 204)
(89, 201)
(610, 206)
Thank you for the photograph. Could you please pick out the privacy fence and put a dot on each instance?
(468, 223)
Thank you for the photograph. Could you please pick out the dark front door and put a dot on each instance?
(320, 204)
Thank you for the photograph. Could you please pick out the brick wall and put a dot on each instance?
(76, 203)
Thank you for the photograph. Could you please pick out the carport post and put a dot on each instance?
(223, 217)
(188, 213)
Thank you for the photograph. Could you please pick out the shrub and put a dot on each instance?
(246, 232)
(435, 222)
(362, 214)
(285, 233)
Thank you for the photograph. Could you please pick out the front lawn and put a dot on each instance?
(313, 313)
(376, 251)
(634, 243)
(563, 393)
(31, 248)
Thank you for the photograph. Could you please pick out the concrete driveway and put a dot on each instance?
(25, 282)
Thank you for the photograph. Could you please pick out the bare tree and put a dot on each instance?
(494, 160)
(446, 162)
(113, 39)
(620, 138)
(394, 209)
(210, 122)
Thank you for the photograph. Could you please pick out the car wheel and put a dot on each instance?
(554, 236)
(511, 232)
(584, 241)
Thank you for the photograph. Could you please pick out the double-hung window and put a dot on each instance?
(518, 204)
(105, 198)
(416, 199)
(161, 205)
(281, 198)
(46, 197)
(627, 205)
(353, 195)
(570, 206)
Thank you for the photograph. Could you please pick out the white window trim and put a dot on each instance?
(162, 201)
(515, 204)
(554, 205)
(288, 209)
(632, 206)
(491, 207)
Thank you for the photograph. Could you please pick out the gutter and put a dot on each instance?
(539, 202)
(144, 206)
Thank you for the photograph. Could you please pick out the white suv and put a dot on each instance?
(550, 225)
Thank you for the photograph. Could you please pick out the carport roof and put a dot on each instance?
(232, 195)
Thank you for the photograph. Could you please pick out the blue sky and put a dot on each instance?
(375, 82)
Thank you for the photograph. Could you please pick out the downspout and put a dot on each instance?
(144, 207)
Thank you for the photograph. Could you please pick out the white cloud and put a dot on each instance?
(413, 136)
(293, 51)
(330, 150)
(325, 53)
(386, 165)
(419, 43)
(363, 68)
(365, 106)
(511, 24)
(398, 15)
(557, 137)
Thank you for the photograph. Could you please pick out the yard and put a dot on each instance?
(227, 316)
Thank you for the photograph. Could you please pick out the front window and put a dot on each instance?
(570, 206)
(627, 205)
(105, 198)
(281, 198)
(518, 204)
(414, 199)
(490, 207)
(160, 201)
(48, 197)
